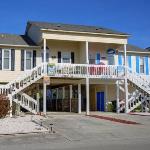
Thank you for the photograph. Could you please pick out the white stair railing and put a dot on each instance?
(26, 102)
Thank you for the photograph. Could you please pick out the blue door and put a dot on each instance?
(100, 101)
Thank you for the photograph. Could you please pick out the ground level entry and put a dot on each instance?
(70, 95)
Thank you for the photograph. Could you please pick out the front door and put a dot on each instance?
(100, 101)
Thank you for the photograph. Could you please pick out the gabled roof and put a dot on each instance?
(16, 40)
(74, 28)
(133, 48)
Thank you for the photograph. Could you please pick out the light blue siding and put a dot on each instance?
(146, 65)
(138, 64)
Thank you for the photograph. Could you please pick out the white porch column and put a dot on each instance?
(79, 98)
(87, 97)
(63, 92)
(126, 95)
(117, 97)
(125, 81)
(44, 55)
(56, 98)
(38, 102)
(125, 59)
(70, 87)
(87, 52)
(44, 98)
(106, 96)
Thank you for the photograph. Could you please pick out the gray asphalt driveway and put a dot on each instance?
(83, 132)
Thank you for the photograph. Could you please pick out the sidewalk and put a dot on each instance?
(20, 125)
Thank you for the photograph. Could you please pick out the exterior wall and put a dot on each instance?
(63, 46)
(7, 75)
(53, 35)
(111, 93)
(102, 49)
(133, 61)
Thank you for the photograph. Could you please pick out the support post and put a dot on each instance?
(63, 94)
(87, 52)
(70, 87)
(125, 81)
(87, 96)
(44, 98)
(79, 98)
(38, 102)
(44, 56)
(126, 95)
(125, 59)
(56, 99)
(106, 96)
(117, 97)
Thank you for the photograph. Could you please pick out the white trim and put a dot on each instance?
(120, 51)
(144, 66)
(20, 46)
(9, 59)
(92, 33)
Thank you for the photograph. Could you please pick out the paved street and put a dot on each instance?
(80, 132)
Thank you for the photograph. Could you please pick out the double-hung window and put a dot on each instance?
(66, 57)
(142, 67)
(28, 60)
(6, 59)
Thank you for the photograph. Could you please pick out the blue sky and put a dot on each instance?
(130, 16)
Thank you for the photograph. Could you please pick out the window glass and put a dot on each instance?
(141, 64)
(66, 57)
(6, 61)
(28, 60)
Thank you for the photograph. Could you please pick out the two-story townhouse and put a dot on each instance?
(73, 68)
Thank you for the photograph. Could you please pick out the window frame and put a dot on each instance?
(25, 58)
(3, 50)
(64, 54)
(144, 65)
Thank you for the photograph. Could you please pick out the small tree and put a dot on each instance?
(4, 106)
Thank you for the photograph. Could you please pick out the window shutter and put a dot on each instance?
(0, 59)
(72, 57)
(146, 64)
(22, 60)
(12, 59)
(34, 58)
(138, 64)
(59, 57)
(129, 62)
(119, 59)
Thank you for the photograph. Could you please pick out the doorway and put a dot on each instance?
(100, 101)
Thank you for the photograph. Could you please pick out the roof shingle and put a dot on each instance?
(11, 39)
(77, 28)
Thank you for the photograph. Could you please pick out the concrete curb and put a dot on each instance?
(22, 133)
(113, 119)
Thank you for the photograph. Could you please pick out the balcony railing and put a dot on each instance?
(85, 70)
